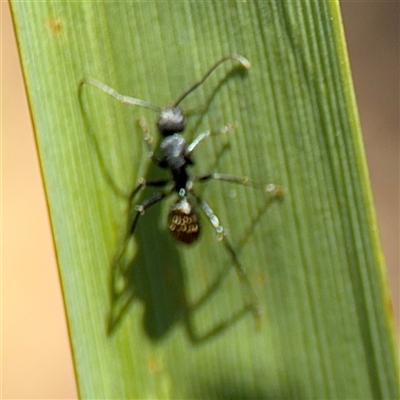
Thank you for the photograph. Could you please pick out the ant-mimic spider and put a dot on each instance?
(176, 157)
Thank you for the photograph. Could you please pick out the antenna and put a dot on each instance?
(244, 62)
(121, 98)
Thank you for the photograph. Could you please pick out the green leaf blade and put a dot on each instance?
(314, 258)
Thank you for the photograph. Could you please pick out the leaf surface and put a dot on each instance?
(314, 259)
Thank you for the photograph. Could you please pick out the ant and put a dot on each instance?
(176, 157)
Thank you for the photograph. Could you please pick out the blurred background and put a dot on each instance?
(36, 359)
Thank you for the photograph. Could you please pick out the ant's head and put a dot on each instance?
(171, 120)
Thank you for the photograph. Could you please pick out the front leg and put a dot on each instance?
(148, 139)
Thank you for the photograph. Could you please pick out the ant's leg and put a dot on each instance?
(251, 300)
(199, 337)
(148, 139)
(133, 221)
(143, 183)
(274, 190)
(113, 93)
(206, 134)
(120, 295)
(274, 193)
(140, 210)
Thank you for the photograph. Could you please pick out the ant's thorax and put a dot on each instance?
(176, 158)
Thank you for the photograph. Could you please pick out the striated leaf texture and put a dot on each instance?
(314, 258)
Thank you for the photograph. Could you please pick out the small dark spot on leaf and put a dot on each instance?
(55, 25)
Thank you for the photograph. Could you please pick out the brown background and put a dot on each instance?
(36, 357)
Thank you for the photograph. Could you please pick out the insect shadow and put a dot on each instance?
(156, 278)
